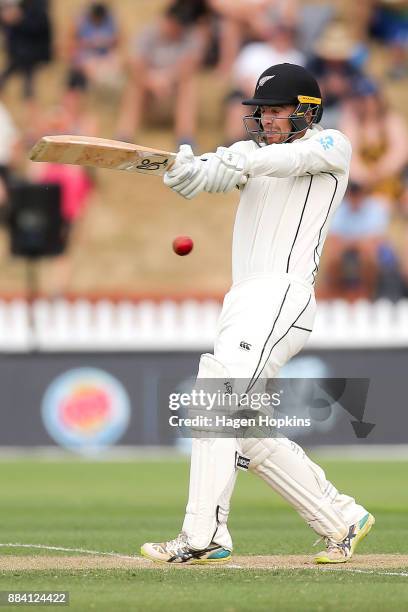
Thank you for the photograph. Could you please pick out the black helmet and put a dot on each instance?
(286, 84)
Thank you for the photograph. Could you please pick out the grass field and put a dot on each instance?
(116, 506)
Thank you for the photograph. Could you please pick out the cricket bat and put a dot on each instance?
(104, 153)
(101, 153)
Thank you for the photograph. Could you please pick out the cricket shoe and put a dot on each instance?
(340, 552)
(179, 551)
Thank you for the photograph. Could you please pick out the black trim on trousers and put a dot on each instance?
(303, 328)
(252, 383)
(266, 341)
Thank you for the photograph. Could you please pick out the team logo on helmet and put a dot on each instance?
(265, 80)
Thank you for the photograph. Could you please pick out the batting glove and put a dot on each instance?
(188, 175)
(226, 169)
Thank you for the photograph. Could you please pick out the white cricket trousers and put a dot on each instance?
(264, 322)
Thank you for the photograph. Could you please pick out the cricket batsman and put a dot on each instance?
(296, 175)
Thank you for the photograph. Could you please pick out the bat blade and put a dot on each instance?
(101, 153)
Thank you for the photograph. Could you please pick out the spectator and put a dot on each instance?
(279, 47)
(76, 188)
(387, 22)
(10, 150)
(164, 62)
(379, 139)
(70, 116)
(27, 31)
(93, 49)
(252, 60)
(76, 182)
(334, 66)
(404, 231)
(244, 22)
(313, 19)
(359, 260)
(199, 15)
(192, 13)
(390, 26)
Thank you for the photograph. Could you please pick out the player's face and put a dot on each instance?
(276, 123)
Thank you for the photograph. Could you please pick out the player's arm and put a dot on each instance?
(328, 151)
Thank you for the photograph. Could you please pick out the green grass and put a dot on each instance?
(226, 590)
(117, 506)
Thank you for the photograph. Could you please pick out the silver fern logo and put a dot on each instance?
(265, 80)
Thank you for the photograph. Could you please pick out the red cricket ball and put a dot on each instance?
(182, 245)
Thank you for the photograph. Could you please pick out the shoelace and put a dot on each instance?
(330, 544)
(173, 546)
(344, 546)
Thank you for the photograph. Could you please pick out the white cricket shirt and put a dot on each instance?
(287, 205)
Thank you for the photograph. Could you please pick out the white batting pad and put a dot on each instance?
(285, 467)
(212, 479)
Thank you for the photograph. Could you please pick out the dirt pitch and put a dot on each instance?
(9, 563)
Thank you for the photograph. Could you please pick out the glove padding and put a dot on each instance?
(188, 175)
(226, 169)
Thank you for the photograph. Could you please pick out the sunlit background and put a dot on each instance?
(94, 334)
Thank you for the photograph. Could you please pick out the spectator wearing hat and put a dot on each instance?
(313, 20)
(334, 65)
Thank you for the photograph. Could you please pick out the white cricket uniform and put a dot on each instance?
(286, 208)
(281, 224)
(282, 221)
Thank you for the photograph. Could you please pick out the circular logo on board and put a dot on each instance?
(86, 410)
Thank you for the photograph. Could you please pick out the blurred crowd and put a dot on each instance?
(157, 71)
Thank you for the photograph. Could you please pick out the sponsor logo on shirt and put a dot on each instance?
(327, 142)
